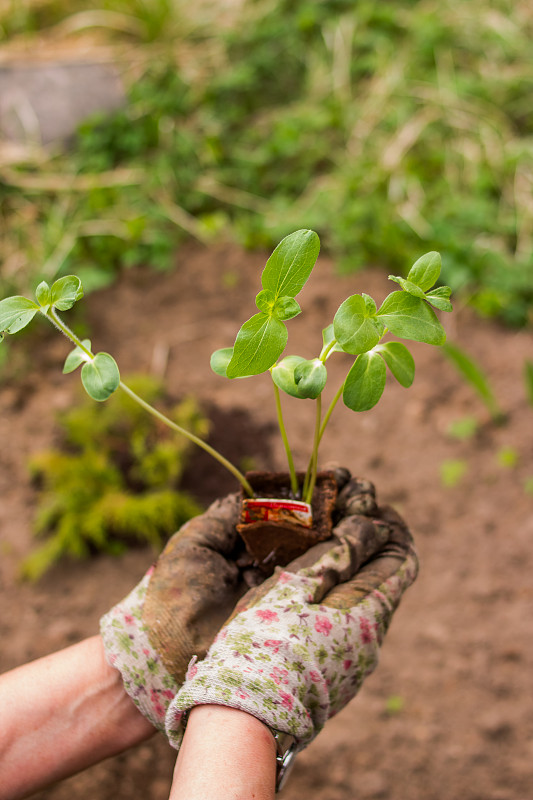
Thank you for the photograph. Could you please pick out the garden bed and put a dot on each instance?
(444, 715)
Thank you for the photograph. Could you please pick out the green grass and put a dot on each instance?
(390, 128)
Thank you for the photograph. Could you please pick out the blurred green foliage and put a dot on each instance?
(114, 479)
(391, 128)
(452, 472)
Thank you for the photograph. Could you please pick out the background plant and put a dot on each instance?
(396, 128)
(113, 480)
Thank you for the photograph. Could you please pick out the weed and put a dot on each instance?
(114, 481)
(471, 371)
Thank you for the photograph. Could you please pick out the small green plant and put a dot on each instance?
(115, 479)
(100, 374)
(358, 329)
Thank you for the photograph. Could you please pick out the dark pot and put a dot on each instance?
(284, 533)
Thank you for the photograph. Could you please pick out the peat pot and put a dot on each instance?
(275, 527)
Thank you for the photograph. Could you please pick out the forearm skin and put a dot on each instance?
(62, 714)
(226, 755)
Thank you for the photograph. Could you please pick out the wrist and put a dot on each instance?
(225, 752)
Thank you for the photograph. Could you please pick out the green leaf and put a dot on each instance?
(283, 375)
(265, 301)
(528, 379)
(408, 286)
(15, 313)
(43, 294)
(365, 382)
(425, 271)
(399, 360)
(77, 357)
(310, 377)
(259, 344)
(66, 291)
(355, 329)
(220, 360)
(410, 317)
(100, 377)
(370, 305)
(291, 263)
(286, 308)
(474, 376)
(440, 298)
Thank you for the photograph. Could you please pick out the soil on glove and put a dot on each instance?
(448, 712)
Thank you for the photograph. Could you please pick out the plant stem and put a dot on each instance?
(54, 318)
(330, 411)
(192, 438)
(285, 440)
(310, 478)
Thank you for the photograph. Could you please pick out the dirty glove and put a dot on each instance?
(298, 647)
(176, 610)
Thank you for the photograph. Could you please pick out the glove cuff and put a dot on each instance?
(258, 695)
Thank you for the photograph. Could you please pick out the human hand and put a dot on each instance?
(176, 610)
(298, 647)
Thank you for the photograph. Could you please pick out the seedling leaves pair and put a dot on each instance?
(299, 377)
(17, 312)
(262, 339)
(99, 374)
(421, 277)
(365, 382)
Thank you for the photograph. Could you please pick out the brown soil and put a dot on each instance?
(448, 712)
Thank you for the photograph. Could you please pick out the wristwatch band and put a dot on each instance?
(285, 756)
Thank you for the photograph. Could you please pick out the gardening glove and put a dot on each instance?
(298, 647)
(176, 610)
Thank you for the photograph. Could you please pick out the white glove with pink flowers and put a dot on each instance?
(297, 648)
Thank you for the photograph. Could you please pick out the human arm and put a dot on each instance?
(61, 714)
(226, 754)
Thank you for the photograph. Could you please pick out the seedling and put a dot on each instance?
(358, 328)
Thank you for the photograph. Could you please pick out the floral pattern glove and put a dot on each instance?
(128, 649)
(298, 647)
(176, 610)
